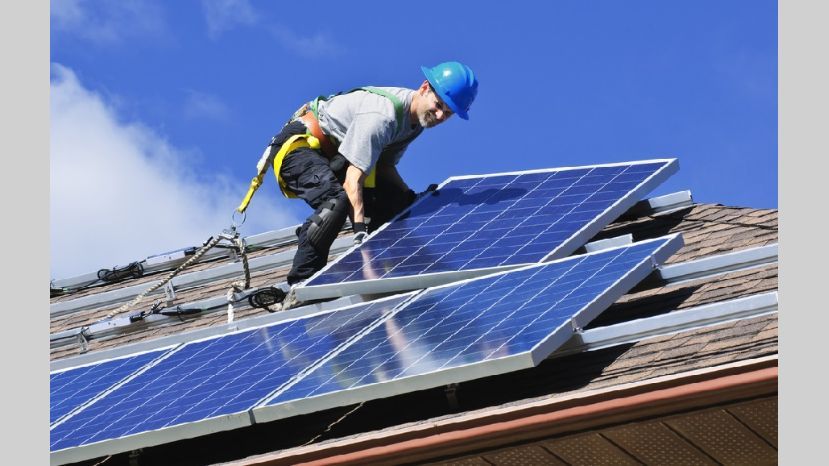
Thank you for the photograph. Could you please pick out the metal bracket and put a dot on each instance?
(451, 391)
(83, 342)
(230, 233)
(170, 292)
(238, 250)
(617, 241)
(134, 455)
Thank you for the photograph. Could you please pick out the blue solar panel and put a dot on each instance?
(520, 316)
(491, 221)
(72, 388)
(219, 376)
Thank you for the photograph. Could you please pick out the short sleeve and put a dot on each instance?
(368, 134)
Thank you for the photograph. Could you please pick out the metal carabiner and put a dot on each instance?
(233, 224)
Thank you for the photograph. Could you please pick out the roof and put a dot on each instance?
(711, 310)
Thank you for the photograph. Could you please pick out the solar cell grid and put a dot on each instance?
(524, 313)
(216, 377)
(71, 388)
(492, 221)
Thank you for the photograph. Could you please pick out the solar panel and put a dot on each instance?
(481, 327)
(209, 385)
(71, 388)
(476, 223)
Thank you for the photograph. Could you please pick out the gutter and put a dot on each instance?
(492, 428)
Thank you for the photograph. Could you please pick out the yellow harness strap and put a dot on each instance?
(254, 185)
(293, 143)
(371, 179)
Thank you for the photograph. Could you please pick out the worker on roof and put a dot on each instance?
(334, 147)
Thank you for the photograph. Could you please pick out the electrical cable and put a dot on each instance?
(265, 297)
(132, 270)
(181, 311)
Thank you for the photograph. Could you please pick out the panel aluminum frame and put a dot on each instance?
(578, 239)
(265, 413)
(192, 429)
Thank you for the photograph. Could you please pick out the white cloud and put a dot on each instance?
(108, 22)
(317, 45)
(223, 15)
(120, 192)
(66, 13)
(199, 105)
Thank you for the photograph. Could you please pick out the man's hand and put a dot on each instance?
(360, 232)
(432, 188)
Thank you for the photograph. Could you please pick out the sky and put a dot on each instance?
(160, 110)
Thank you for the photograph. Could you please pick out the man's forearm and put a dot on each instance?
(354, 190)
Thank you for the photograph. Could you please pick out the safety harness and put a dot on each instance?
(314, 138)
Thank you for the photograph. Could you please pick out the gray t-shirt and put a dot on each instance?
(365, 125)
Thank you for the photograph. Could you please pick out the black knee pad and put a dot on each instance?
(327, 222)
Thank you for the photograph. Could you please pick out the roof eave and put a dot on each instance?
(493, 427)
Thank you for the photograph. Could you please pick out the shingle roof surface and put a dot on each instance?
(707, 230)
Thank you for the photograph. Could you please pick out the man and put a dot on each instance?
(334, 146)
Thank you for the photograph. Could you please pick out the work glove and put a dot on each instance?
(360, 232)
(432, 188)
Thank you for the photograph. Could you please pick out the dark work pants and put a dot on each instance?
(308, 175)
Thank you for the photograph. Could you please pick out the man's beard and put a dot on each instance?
(427, 120)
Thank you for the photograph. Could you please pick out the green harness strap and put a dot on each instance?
(398, 104)
(371, 178)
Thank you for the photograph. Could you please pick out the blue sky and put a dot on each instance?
(160, 110)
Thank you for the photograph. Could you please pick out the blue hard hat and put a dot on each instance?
(455, 84)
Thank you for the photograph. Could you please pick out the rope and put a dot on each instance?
(102, 461)
(230, 300)
(330, 426)
(209, 245)
(238, 244)
(240, 247)
(236, 287)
